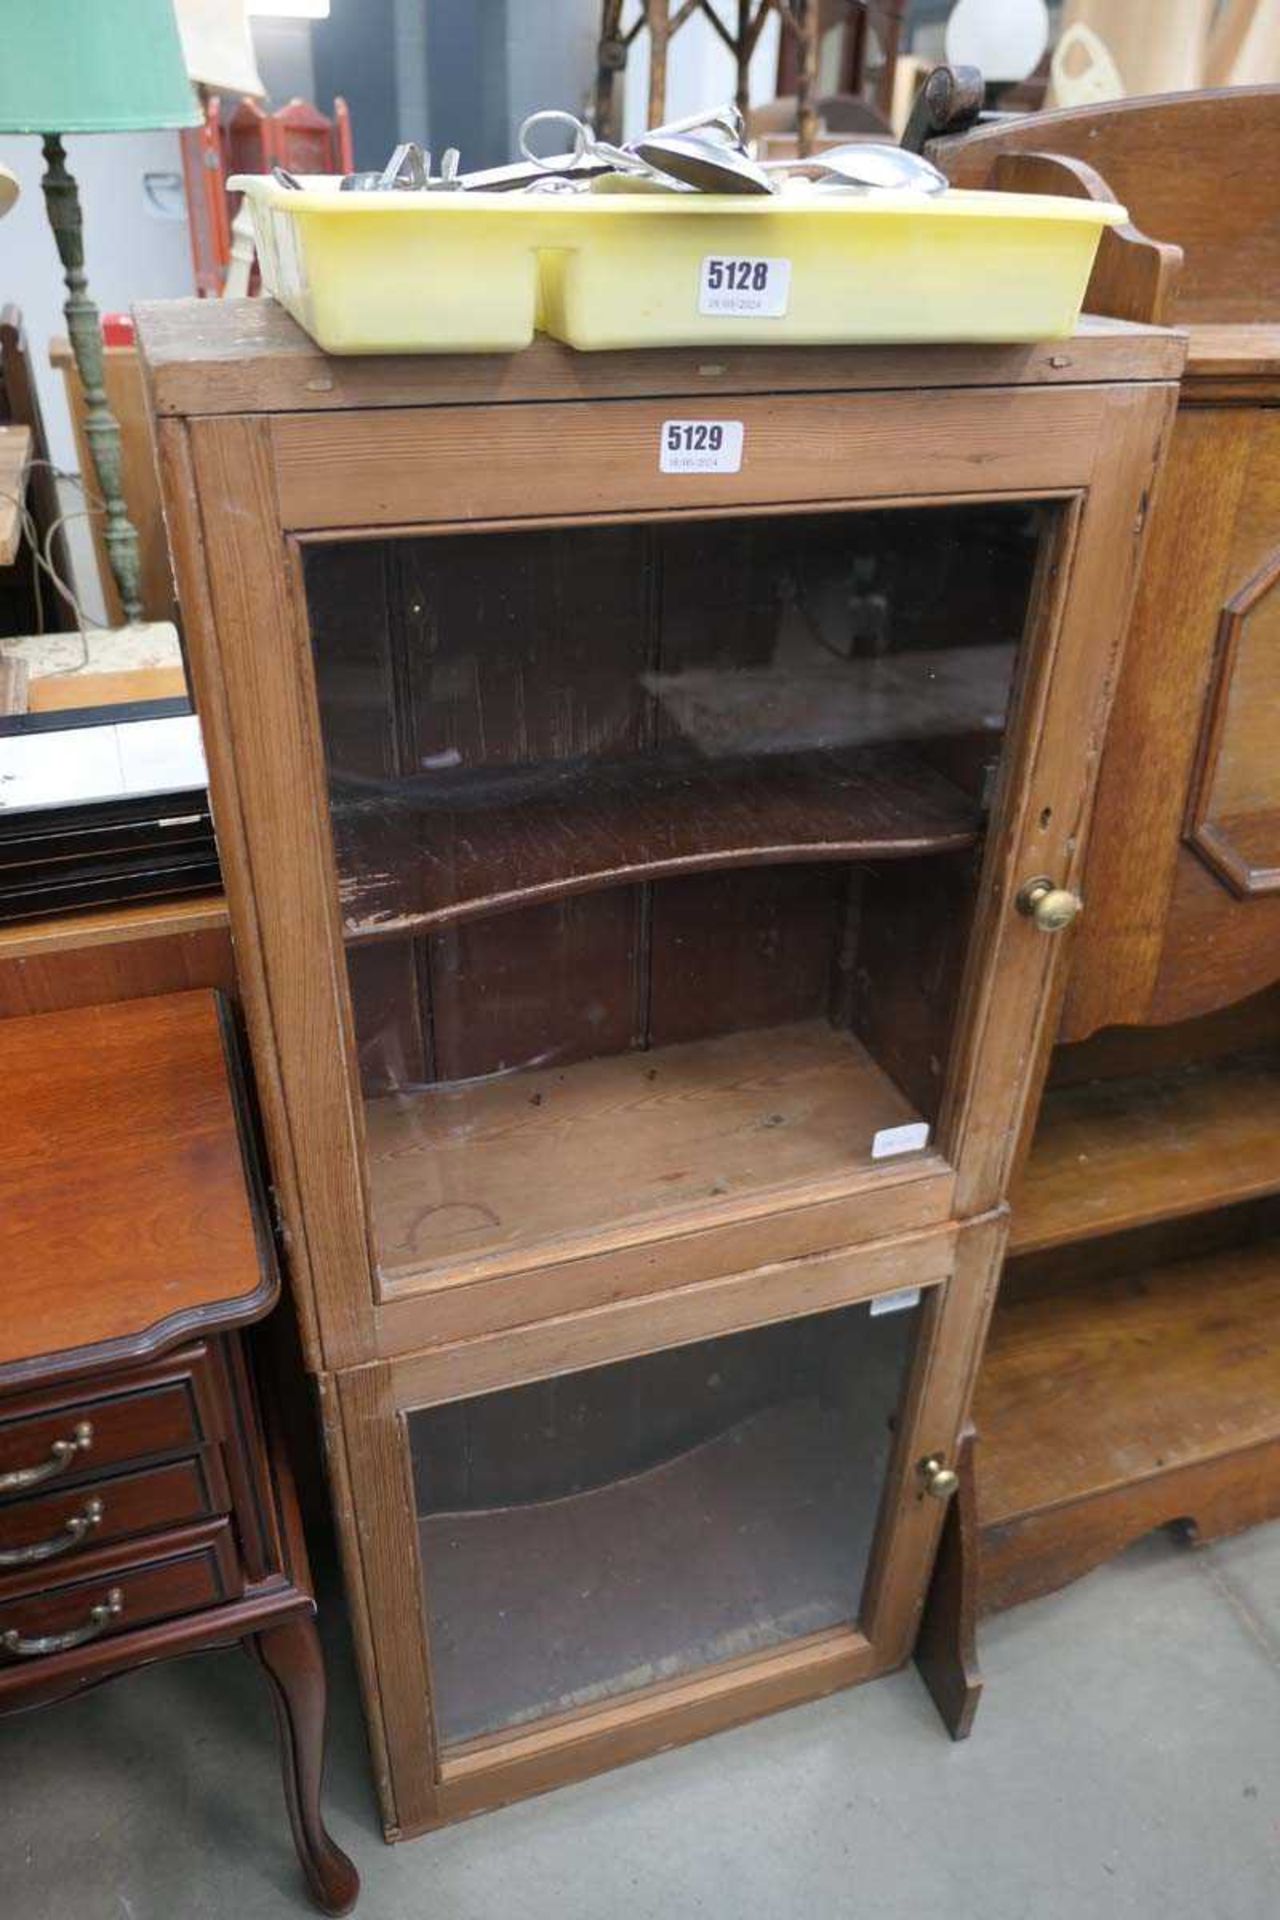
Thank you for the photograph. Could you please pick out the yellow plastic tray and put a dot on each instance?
(399, 272)
(449, 273)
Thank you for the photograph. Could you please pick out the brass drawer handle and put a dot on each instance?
(100, 1618)
(61, 1454)
(73, 1531)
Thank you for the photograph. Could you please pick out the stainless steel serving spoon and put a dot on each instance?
(865, 164)
(710, 165)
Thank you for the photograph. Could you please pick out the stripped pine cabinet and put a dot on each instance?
(649, 891)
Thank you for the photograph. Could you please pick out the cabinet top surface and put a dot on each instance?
(248, 356)
(126, 1222)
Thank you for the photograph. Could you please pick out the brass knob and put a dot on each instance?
(939, 1479)
(1052, 908)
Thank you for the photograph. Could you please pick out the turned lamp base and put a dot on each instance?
(62, 198)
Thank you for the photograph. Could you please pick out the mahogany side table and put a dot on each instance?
(145, 1508)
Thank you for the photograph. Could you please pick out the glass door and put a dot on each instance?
(616, 1529)
(657, 849)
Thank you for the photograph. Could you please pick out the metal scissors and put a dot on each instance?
(586, 154)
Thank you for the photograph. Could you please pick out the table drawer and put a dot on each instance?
(172, 1406)
(156, 1578)
(63, 1524)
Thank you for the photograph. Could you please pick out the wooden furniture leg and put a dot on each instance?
(946, 1650)
(291, 1658)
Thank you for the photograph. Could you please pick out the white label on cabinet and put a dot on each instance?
(896, 1302)
(741, 288)
(700, 446)
(907, 1139)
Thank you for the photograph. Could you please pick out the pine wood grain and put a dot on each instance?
(561, 1154)
(630, 1325)
(951, 1341)
(263, 697)
(750, 1234)
(241, 581)
(186, 538)
(650, 1721)
(403, 467)
(1056, 734)
(1156, 943)
(243, 356)
(377, 1471)
(439, 448)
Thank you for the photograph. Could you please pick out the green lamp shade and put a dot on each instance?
(93, 66)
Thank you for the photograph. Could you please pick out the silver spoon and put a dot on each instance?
(866, 164)
(707, 164)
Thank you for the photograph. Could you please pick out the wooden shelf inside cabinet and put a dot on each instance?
(1106, 1383)
(703, 1129)
(1113, 1154)
(417, 854)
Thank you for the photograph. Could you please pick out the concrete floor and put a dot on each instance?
(1126, 1762)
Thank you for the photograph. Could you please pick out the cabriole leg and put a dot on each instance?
(291, 1658)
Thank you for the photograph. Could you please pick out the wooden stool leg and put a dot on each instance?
(294, 1664)
(946, 1649)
